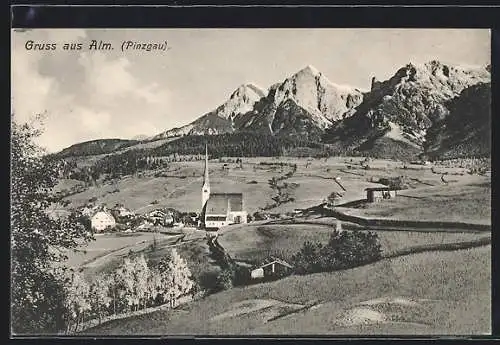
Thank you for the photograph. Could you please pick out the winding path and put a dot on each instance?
(100, 260)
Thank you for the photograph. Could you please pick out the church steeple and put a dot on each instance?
(205, 189)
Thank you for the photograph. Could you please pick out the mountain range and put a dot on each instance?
(433, 108)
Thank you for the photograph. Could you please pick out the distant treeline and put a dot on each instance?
(241, 144)
(244, 144)
(95, 147)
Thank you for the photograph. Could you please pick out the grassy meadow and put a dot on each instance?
(254, 243)
(428, 293)
(469, 203)
(451, 291)
(105, 244)
(179, 186)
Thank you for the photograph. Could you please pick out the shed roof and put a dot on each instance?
(157, 212)
(378, 189)
(103, 213)
(275, 261)
(218, 203)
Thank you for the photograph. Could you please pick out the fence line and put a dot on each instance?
(95, 322)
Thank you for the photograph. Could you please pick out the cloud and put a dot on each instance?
(30, 90)
(110, 79)
(85, 95)
(95, 122)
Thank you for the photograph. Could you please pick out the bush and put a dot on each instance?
(208, 281)
(258, 216)
(308, 259)
(224, 279)
(241, 275)
(344, 250)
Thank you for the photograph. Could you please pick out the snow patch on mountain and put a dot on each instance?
(310, 89)
(241, 101)
(405, 106)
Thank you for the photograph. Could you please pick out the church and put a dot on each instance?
(220, 209)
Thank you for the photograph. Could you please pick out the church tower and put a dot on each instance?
(205, 189)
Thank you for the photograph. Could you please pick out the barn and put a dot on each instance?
(376, 194)
(274, 268)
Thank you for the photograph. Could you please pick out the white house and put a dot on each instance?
(102, 220)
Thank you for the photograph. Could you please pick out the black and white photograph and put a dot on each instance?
(250, 182)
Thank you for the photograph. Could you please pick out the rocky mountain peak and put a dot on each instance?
(241, 101)
(412, 101)
(309, 70)
(314, 92)
(375, 83)
(246, 90)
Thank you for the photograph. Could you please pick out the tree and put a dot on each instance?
(141, 275)
(308, 259)
(180, 276)
(348, 249)
(153, 287)
(334, 198)
(175, 279)
(344, 249)
(77, 298)
(224, 279)
(125, 284)
(99, 295)
(37, 240)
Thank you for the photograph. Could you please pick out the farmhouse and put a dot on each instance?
(102, 220)
(160, 217)
(379, 193)
(121, 211)
(274, 268)
(122, 214)
(220, 209)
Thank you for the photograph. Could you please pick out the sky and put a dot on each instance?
(88, 94)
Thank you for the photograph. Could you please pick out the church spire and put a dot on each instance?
(205, 189)
(205, 177)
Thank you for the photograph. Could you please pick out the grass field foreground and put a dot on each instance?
(457, 285)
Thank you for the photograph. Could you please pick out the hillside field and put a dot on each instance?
(436, 292)
(430, 293)
(107, 251)
(179, 186)
(257, 242)
(459, 202)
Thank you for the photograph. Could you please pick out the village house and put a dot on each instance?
(376, 194)
(102, 220)
(88, 210)
(122, 214)
(168, 220)
(160, 217)
(273, 269)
